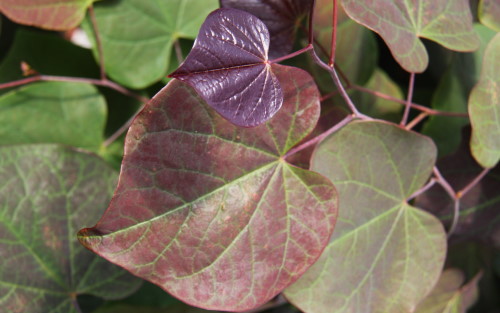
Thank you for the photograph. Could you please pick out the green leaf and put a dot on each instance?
(53, 112)
(378, 107)
(489, 14)
(450, 295)
(356, 58)
(137, 35)
(54, 56)
(47, 193)
(48, 14)
(450, 96)
(384, 255)
(212, 212)
(400, 23)
(484, 108)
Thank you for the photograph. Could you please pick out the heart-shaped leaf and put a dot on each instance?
(75, 112)
(211, 212)
(280, 16)
(228, 67)
(489, 14)
(138, 35)
(48, 14)
(47, 193)
(400, 23)
(450, 295)
(384, 255)
(484, 108)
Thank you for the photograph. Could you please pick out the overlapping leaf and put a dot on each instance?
(450, 295)
(137, 35)
(53, 112)
(484, 108)
(46, 193)
(48, 14)
(211, 212)
(280, 16)
(489, 14)
(384, 255)
(401, 23)
(228, 67)
(478, 209)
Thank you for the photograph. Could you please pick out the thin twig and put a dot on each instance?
(98, 82)
(409, 98)
(456, 215)
(427, 186)
(413, 105)
(444, 183)
(331, 61)
(321, 136)
(178, 51)
(473, 183)
(293, 54)
(310, 26)
(416, 120)
(122, 129)
(97, 37)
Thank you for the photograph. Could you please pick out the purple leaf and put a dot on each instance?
(228, 67)
(212, 212)
(280, 16)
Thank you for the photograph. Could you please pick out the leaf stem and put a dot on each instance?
(409, 98)
(413, 105)
(311, 20)
(427, 186)
(473, 183)
(321, 136)
(293, 54)
(98, 42)
(456, 215)
(416, 120)
(444, 183)
(331, 61)
(122, 129)
(178, 51)
(98, 82)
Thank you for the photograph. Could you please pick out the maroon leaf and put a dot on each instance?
(212, 212)
(228, 67)
(280, 16)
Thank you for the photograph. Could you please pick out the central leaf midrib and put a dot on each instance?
(229, 68)
(187, 204)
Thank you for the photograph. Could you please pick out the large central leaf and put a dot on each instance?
(400, 23)
(384, 255)
(211, 212)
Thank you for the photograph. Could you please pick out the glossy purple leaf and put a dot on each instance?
(228, 67)
(212, 212)
(280, 16)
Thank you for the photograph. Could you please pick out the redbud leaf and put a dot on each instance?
(228, 67)
(211, 212)
(400, 23)
(489, 14)
(47, 193)
(280, 16)
(385, 255)
(48, 14)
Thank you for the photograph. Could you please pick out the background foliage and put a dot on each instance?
(344, 137)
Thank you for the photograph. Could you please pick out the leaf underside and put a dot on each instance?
(398, 250)
(47, 192)
(211, 212)
(400, 23)
(228, 68)
(48, 14)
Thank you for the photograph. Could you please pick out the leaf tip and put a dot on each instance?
(89, 237)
